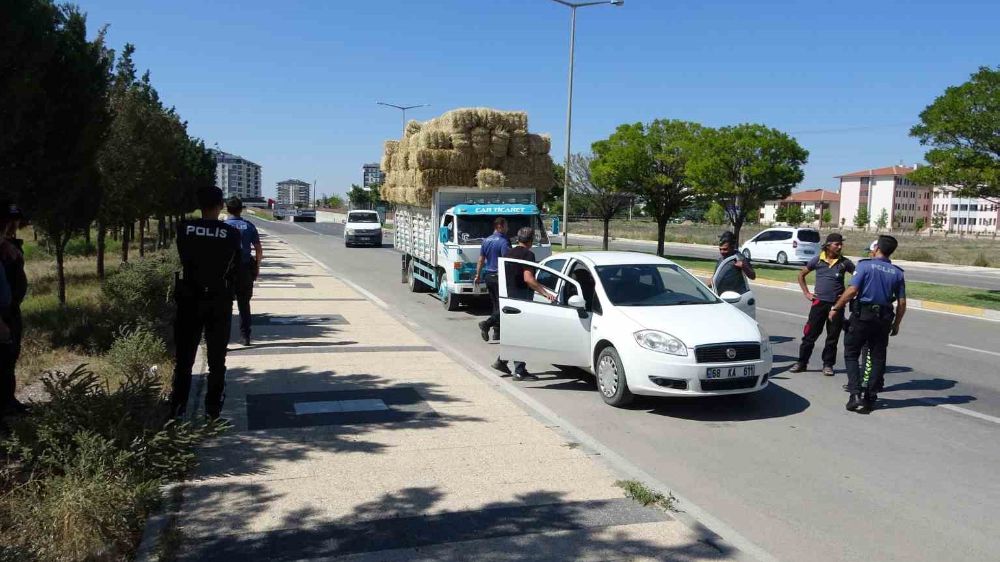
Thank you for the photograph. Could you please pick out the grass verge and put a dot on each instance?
(639, 492)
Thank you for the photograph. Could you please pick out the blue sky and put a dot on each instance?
(292, 85)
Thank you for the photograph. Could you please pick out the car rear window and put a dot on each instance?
(809, 236)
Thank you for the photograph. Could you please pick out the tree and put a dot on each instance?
(795, 216)
(937, 221)
(361, 197)
(603, 200)
(919, 224)
(715, 215)
(742, 166)
(962, 128)
(53, 172)
(781, 215)
(826, 217)
(882, 221)
(650, 161)
(861, 219)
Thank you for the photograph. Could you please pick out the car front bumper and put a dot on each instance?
(373, 239)
(659, 374)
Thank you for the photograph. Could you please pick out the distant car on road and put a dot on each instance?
(642, 324)
(304, 215)
(363, 227)
(783, 245)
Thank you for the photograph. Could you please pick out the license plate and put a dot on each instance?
(808, 252)
(729, 372)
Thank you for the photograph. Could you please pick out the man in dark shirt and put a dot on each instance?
(492, 249)
(11, 326)
(211, 259)
(250, 266)
(521, 284)
(731, 267)
(830, 267)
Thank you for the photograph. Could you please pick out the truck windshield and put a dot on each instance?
(362, 217)
(473, 229)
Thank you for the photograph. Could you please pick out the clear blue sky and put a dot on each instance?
(293, 85)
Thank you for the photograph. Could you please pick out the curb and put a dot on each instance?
(987, 314)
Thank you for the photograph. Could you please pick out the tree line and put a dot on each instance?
(87, 142)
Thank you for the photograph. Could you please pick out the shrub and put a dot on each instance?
(915, 255)
(139, 293)
(136, 350)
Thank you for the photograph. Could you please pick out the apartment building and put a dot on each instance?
(235, 175)
(963, 214)
(884, 189)
(372, 175)
(814, 202)
(294, 192)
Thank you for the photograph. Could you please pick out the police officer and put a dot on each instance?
(211, 260)
(492, 249)
(876, 284)
(830, 267)
(250, 262)
(11, 326)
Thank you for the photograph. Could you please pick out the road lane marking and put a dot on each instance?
(974, 349)
(960, 410)
(771, 310)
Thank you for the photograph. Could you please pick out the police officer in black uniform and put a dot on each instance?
(876, 284)
(12, 260)
(210, 259)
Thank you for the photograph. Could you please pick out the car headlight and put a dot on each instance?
(350, 231)
(661, 342)
(765, 339)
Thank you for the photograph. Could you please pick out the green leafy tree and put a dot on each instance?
(715, 215)
(862, 218)
(650, 161)
(883, 220)
(742, 166)
(603, 200)
(795, 216)
(781, 215)
(937, 221)
(919, 224)
(963, 128)
(827, 217)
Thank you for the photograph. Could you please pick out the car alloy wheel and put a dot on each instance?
(611, 379)
(782, 258)
(607, 376)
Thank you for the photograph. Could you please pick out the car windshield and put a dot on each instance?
(809, 236)
(362, 217)
(473, 229)
(652, 285)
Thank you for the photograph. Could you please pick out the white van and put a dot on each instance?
(783, 245)
(363, 227)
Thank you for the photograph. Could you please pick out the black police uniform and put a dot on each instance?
(879, 283)
(11, 352)
(211, 259)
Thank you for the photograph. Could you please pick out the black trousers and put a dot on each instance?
(212, 316)
(819, 316)
(493, 288)
(873, 333)
(244, 292)
(9, 354)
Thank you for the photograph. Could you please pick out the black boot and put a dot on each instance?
(870, 399)
(484, 331)
(854, 403)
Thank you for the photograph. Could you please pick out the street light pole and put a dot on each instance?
(569, 104)
(403, 108)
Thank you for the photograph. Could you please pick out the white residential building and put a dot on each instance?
(963, 214)
(814, 202)
(294, 192)
(236, 176)
(884, 189)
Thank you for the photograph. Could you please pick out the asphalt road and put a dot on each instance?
(945, 274)
(788, 467)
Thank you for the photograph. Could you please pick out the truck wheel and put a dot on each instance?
(416, 285)
(451, 301)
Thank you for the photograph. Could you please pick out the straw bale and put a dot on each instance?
(390, 146)
(541, 164)
(489, 179)
(412, 127)
(498, 143)
(431, 158)
(433, 139)
(462, 159)
(386, 164)
(539, 144)
(461, 140)
(480, 140)
(516, 165)
(542, 181)
(463, 119)
(517, 180)
(518, 145)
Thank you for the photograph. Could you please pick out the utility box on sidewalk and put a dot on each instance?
(555, 225)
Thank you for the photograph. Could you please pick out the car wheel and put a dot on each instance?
(782, 258)
(611, 381)
(416, 285)
(746, 253)
(451, 301)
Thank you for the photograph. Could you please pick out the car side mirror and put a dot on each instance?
(576, 301)
(732, 297)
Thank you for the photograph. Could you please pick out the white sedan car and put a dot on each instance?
(641, 323)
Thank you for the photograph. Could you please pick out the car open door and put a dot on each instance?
(747, 302)
(546, 333)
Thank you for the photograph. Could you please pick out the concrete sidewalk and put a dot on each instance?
(353, 438)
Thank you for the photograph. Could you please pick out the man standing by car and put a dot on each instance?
(830, 267)
(730, 272)
(249, 237)
(876, 283)
(521, 284)
(492, 249)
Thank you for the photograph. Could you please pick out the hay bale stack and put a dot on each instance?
(474, 147)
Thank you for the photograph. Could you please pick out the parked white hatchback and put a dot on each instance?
(783, 245)
(642, 324)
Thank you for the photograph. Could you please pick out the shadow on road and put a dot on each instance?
(772, 402)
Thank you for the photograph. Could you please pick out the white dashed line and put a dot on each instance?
(974, 349)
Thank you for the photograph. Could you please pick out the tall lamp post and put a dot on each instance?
(569, 103)
(403, 108)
